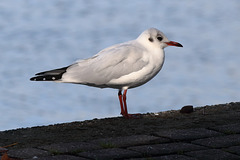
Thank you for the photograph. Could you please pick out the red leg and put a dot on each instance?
(121, 103)
(125, 103)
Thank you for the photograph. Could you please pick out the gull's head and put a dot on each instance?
(155, 38)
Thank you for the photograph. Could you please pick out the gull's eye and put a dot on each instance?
(159, 38)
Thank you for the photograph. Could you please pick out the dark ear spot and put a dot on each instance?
(150, 39)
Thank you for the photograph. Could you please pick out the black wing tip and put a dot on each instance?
(45, 78)
(33, 79)
(38, 78)
(51, 75)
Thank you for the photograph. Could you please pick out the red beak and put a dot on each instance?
(172, 43)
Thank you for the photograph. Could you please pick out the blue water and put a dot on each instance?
(40, 35)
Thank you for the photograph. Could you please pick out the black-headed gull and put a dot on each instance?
(121, 66)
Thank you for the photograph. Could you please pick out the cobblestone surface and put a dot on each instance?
(213, 154)
(188, 134)
(28, 153)
(168, 157)
(112, 153)
(141, 147)
(62, 148)
(234, 149)
(228, 129)
(219, 142)
(215, 142)
(130, 141)
(59, 157)
(167, 148)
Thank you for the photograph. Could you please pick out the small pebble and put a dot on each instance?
(187, 109)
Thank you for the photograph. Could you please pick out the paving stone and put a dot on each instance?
(59, 157)
(129, 141)
(188, 134)
(69, 147)
(213, 154)
(168, 148)
(112, 153)
(234, 149)
(27, 153)
(228, 129)
(167, 157)
(219, 142)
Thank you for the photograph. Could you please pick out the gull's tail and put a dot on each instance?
(52, 75)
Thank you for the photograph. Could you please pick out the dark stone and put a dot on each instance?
(187, 109)
(213, 154)
(112, 153)
(188, 134)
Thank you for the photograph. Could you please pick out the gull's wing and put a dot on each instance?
(110, 63)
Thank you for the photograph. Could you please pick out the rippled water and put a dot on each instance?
(40, 35)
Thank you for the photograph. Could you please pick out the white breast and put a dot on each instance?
(155, 62)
